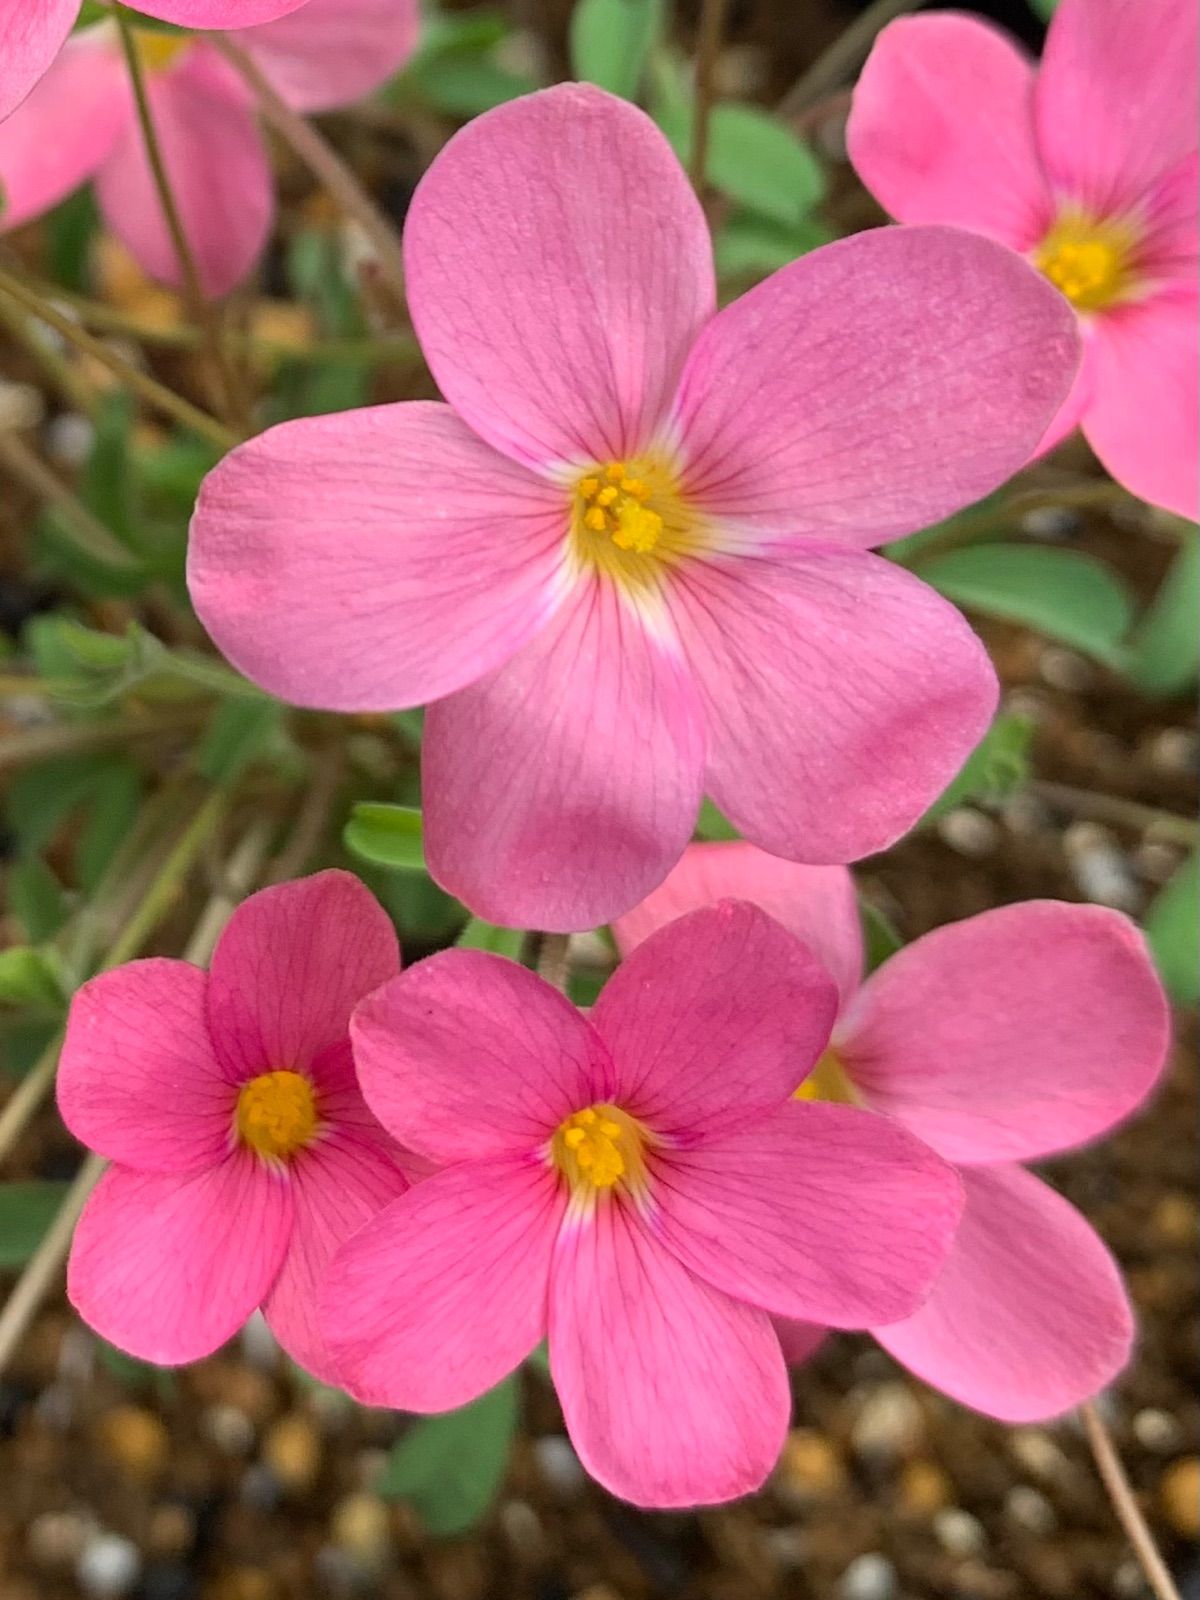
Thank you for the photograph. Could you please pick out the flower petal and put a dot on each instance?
(33, 32)
(558, 267)
(445, 1292)
(338, 1185)
(448, 563)
(217, 13)
(138, 1079)
(817, 1212)
(874, 386)
(713, 1020)
(1029, 1316)
(1115, 100)
(168, 1268)
(1142, 418)
(219, 172)
(562, 788)
(842, 695)
(673, 1394)
(817, 904)
(941, 128)
(467, 1055)
(1016, 1033)
(332, 52)
(64, 130)
(798, 1340)
(290, 967)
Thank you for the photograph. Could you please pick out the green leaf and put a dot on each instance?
(481, 935)
(105, 485)
(1061, 593)
(1044, 8)
(1163, 655)
(113, 802)
(31, 977)
(388, 836)
(68, 231)
(450, 1467)
(239, 731)
(26, 1212)
(36, 898)
(748, 245)
(752, 158)
(713, 824)
(880, 938)
(1172, 926)
(996, 767)
(610, 41)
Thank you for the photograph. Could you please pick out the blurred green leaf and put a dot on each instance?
(455, 69)
(31, 977)
(1044, 8)
(388, 836)
(753, 158)
(239, 731)
(106, 483)
(714, 824)
(880, 938)
(748, 245)
(610, 41)
(1172, 926)
(26, 1212)
(92, 668)
(997, 766)
(450, 1467)
(112, 807)
(1163, 655)
(1061, 593)
(480, 935)
(36, 898)
(68, 232)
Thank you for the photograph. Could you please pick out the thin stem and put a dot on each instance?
(140, 383)
(78, 395)
(847, 52)
(313, 818)
(324, 163)
(1122, 813)
(67, 738)
(554, 959)
(88, 533)
(1120, 1492)
(708, 48)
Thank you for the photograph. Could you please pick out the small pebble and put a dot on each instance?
(1179, 1494)
(360, 1527)
(1129, 1581)
(292, 1450)
(1101, 869)
(559, 1465)
(260, 1489)
(136, 1440)
(1028, 1508)
(924, 1488)
(57, 1538)
(1054, 524)
(337, 1571)
(958, 1532)
(229, 1429)
(787, 1547)
(523, 1529)
(245, 1583)
(172, 1530)
(1157, 1431)
(1175, 751)
(1065, 670)
(21, 405)
(1176, 1220)
(810, 1467)
(1155, 861)
(172, 1582)
(889, 1424)
(869, 1577)
(968, 832)
(108, 1566)
(69, 439)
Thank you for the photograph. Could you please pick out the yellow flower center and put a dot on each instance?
(157, 51)
(1090, 262)
(828, 1080)
(629, 518)
(599, 1147)
(276, 1114)
(613, 503)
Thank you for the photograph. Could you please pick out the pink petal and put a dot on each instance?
(467, 1055)
(338, 1185)
(941, 129)
(1167, 255)
(714, 1020)
(817, 904)
(217, 13)
(798, 1340)
(558, 267)
(562, 788)
(219, 173)
(875, 386)
(64, 130)
(138, 1080)
(1029, 1316)
(1116, 97)
(842, 695)
(817, 1212)
(167, 1268)
(1142, 418)
(290, 967)
(332, 52)
(673, 1394)
(33, 32)
(1016, 1033)
(445, 1292)
(419, 557)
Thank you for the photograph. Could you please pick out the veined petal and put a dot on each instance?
(217, 13)
(33, 32)
(332, 52)
(559, 267)
(373, 560)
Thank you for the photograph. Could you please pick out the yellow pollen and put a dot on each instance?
(598, 1148)
(828, 1080)
(1090, 262)
(614, 503)
(276, 1113)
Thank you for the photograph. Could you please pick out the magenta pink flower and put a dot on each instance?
(80, 122)
(637, 1183)
(1088, 167)
(1011, 1036)
(627, 561)
(243, 1152)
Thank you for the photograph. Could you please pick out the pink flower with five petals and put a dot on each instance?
(1010, 1036)
(1088, 167)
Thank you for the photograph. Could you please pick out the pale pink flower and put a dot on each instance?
(243, 1151)
(640, 1185)
(627, 560)
(1011, 1036)
(1088, 167)
(80, 122)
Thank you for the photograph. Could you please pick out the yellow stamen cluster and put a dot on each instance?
(598, 1148)
(1090, 262)
(157, 51)
(828, 1080)
(276, 1114)
(614, 502)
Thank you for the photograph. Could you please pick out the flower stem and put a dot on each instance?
(1120, 1492)
(554, 960)
(88, 534)
(708, 46)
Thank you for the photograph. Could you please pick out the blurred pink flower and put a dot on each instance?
(1088, 167)
(1014, 1035)
(80, 122)
(628, 559)
(243, 1151)
(638, 1183)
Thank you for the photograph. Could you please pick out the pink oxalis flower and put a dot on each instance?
(243, 1151)
(639, 1184)
(628, 560)
(1011, 1036)
(80, 122)
(1088, 167)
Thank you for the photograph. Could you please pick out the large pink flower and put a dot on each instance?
(1013, 1035)
(1088, 167)
(243, 1152)
(640, 1184)
(628, 559)
(80, 123)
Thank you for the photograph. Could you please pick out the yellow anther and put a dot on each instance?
(1090, 262)
(597, 1148)
(606, 497)
(614, 500)
(276, 1113)
(615, 470)
(828, 1080)
(637, 527)
(589, 488)
(595, 520)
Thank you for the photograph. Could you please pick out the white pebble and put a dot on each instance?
(69, 438)
(1064, 669)
(229, 1429)
(108, 1566)
(890, 1423)
(259, 1345)
(958, 1532)
(869, 1577)
(969, 832)
(1158, 1431)
(1029, 1509)
(559, 1465)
